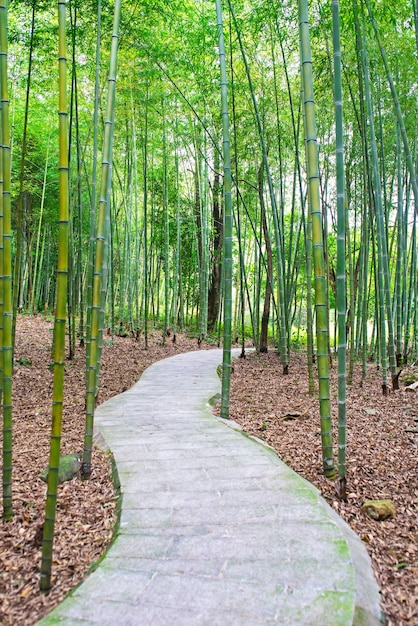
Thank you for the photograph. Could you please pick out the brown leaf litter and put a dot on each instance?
(381, 459)
(85, 510)
(276, 408)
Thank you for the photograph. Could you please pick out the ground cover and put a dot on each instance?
(382, 459)
(85, 511)
(382, 463)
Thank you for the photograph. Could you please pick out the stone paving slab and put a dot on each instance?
(214, 528)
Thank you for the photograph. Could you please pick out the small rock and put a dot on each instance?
(68, 468)
(291, 415)
(370, 411)
(379, 509)
(412, 387)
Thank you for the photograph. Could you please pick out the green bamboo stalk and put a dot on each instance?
(366, 201)
(107, 282)
(282, 299)
(177, 278)
(415, 10)
(412, 291)
(237, 212)
(227, 243)
(263, 347)
(351, 293)
(19, 226)
(91, 250)
(383, 262)
(100, 257)
(399, 116)
(202, 235)
(309, 315)
(78, 291)
(317, 242)
(216, 245)
(399, 253)
(37, 263)
(71, 247)
(5, 477)
(137, 230)
(166, 234)
(341, 235)
(7, 272)
(145, 217)
(205, 215)
(307, 233)
(61, 309)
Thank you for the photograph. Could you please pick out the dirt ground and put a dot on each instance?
(381, 464)
(381, 459)
(85, 510)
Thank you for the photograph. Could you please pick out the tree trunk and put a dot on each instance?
(267, 295)
(215, 282)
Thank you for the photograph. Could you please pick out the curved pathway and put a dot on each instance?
(214, 529)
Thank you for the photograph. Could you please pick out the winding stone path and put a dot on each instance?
(214, 529)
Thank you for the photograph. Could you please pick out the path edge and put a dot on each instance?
(367, 609)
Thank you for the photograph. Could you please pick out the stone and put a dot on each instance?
(68, 468)
(412, 386)
(379, 510)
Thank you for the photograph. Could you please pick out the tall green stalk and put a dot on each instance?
(227, 243)
(177, 279)
(408, 154)
(237, 216)
(166, 234)
(399, 254)
(145, 217)
(383, 261)
(317, 242)
(282, 299)
(90, 263)
(99, 282)
(415, 10)
(341, 234)
(2, 301)
(61, 309)
(37, 260)
(19, 225)
(7, 272)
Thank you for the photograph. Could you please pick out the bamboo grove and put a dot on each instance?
(237, 170)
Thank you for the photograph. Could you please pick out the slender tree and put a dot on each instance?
(61, 308)
(317, 242)
(7, 270)
(278, 231)
(341, 271)
(227, 245)
(19, 226)
(99, 281)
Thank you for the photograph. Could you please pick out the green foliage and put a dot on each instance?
(23, 361)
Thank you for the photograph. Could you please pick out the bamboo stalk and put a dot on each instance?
(7, 271)
(227, 244)
(317, 242)
(341, 235)
(99, 284)
(61, 309)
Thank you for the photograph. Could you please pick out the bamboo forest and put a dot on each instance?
(236, 173)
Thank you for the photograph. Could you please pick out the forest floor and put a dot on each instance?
(381, 464)
(381, 458)
(85, 510)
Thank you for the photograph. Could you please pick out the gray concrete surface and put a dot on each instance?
(214, 529)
